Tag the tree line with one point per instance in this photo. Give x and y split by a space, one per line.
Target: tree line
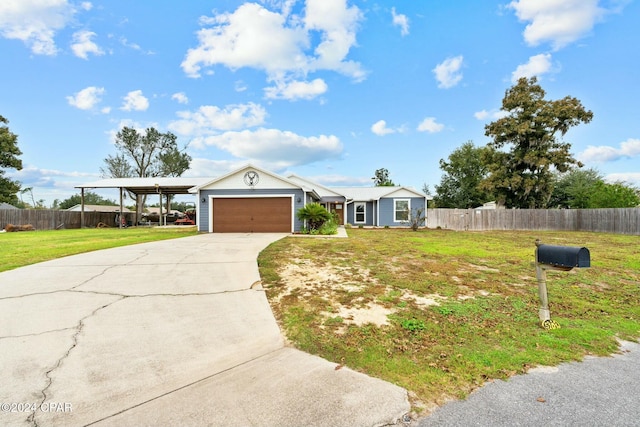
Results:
527 164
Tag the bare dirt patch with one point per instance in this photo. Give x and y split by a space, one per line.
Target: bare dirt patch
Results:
347 292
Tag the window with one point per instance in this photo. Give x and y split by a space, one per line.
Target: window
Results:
401 210
361 209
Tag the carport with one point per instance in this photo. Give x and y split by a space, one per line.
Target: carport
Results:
142 186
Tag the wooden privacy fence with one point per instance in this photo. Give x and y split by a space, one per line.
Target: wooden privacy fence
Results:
50 219
619 221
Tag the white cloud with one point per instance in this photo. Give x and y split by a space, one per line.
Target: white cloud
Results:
401 21
296 90
134 46
240 86
251 36
181 97
493 114
481 115
632 178
199 167
83 45
255 37
87 98
448 72
338 25
86 5
536 66
429 124
604 153
209 119
135 101
35 22
340 180
380 128
559 22
275 147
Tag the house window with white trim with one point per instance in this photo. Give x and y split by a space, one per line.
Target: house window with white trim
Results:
401 209
360 212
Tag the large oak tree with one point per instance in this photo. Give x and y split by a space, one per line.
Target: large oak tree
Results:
145 154
527 146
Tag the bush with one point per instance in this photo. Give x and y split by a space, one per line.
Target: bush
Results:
416 219
328 228
315 215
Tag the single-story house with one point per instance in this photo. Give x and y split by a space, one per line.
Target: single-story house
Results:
251 199
4 205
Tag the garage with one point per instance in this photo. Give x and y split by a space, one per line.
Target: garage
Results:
251 214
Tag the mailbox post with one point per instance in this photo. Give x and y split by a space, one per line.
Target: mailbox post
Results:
560 258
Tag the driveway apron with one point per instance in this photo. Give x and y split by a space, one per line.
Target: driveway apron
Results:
177 332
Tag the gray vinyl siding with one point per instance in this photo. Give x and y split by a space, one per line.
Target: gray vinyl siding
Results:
387 210
205 214
369 214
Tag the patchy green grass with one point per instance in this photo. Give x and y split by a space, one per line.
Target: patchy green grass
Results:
29 247
482 319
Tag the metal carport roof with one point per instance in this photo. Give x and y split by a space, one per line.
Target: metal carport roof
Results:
141 186
171 185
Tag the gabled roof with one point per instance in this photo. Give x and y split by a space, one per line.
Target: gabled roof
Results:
210 182
319 188
364 194
4 205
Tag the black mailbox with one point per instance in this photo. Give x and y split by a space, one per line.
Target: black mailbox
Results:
564 256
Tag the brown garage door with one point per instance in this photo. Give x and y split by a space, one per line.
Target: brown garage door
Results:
252 215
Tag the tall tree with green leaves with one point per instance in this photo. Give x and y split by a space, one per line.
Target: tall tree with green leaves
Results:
463 172
9 153
587 189
381 178
527 145
573 189
145 154
614 195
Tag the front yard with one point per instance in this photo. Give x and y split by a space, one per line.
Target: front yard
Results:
441 312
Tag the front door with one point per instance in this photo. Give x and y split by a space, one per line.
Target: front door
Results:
338 209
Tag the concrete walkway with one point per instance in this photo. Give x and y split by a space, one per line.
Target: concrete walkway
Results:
177 332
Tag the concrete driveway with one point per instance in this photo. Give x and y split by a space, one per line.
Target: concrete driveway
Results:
177 332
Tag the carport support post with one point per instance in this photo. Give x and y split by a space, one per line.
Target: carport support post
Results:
541 275
121 208
82 207
160 204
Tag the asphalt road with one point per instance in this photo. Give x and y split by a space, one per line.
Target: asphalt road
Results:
600 391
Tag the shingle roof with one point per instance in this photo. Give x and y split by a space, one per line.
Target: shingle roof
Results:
373 193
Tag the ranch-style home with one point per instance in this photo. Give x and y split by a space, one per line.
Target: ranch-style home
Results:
251 199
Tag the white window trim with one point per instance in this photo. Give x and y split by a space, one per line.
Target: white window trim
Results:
355 212
395 211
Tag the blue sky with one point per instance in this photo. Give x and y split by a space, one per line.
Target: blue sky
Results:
328 89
